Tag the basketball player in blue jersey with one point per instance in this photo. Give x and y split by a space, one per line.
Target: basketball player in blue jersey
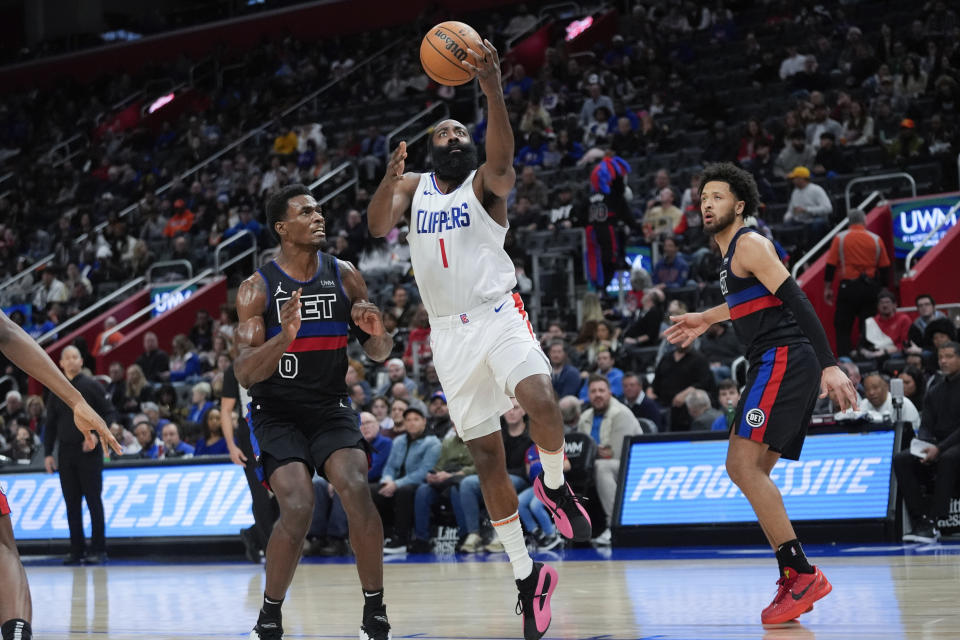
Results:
296 315
790 361
484 348
16 608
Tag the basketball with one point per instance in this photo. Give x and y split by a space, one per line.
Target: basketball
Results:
444 47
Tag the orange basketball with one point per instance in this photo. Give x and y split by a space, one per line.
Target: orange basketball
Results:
444 47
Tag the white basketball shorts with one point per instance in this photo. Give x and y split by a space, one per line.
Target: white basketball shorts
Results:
475 354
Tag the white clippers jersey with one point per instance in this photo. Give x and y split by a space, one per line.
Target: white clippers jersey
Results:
456 249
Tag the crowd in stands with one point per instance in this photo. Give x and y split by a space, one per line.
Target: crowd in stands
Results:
611 142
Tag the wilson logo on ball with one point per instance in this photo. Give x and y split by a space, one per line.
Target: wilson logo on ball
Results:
451 45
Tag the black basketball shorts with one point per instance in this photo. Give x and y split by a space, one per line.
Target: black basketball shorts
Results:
778 399
305 433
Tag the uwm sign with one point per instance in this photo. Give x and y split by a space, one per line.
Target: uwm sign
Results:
913 220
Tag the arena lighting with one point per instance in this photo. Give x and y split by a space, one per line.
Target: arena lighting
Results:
577 27
159 102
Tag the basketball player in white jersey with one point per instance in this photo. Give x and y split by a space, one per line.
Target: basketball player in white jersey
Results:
483 345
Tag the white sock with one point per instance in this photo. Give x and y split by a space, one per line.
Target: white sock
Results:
552 462
511 535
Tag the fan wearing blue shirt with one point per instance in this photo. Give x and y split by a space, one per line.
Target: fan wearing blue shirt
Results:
213 442
606 369
565 376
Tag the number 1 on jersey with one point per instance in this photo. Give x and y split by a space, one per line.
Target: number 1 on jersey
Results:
443 254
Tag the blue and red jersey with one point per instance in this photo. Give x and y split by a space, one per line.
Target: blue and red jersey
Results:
759 317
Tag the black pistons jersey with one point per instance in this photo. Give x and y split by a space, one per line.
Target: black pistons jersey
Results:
759 317
313 368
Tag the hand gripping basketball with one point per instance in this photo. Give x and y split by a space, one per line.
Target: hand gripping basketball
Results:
487 70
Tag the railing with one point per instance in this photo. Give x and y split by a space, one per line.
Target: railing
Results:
267 255
923 243
523 34
393 46
878 178
6 176
169 263
122 103
227 69
813 252
153 305
200 70
160 85
547 10
940 307
216 156
122 291
189 172
406 123
249 251
50 156
331 174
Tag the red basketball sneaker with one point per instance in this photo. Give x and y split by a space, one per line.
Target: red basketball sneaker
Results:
796 593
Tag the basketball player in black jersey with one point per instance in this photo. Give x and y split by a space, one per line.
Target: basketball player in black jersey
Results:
790 361
16 608
296 315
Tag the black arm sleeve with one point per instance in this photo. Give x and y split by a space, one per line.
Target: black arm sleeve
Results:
828 274
358 333
796 300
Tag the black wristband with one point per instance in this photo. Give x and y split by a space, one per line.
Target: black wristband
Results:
796 300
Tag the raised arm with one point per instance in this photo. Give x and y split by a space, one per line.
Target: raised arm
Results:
365 315
27 355
391 201
497 173
258 358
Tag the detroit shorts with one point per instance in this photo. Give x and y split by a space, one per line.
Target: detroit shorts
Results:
307 433
778 399
4 504
479 354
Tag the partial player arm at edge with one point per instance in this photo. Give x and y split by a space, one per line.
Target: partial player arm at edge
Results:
27 355
365 315
257 359
391 201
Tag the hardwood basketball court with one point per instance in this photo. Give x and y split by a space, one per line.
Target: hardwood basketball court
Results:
896 591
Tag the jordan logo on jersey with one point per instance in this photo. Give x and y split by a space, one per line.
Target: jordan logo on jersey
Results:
314 307
279 290
436 221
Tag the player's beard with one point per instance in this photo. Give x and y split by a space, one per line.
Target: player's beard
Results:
454 167
720 222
